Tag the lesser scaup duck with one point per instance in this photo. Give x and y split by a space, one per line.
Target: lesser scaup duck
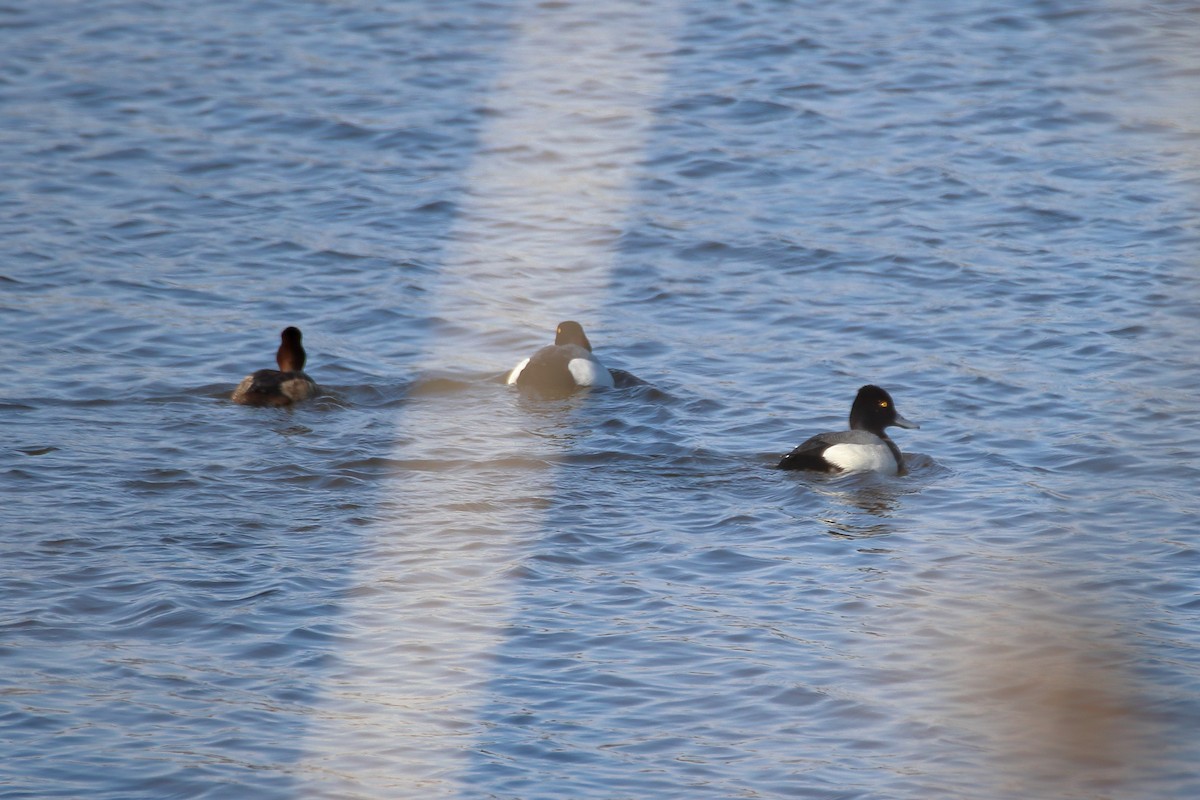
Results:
563 367
283 386
863 448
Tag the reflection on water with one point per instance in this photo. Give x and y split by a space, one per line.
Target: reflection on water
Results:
1053 693
545 194
859 505
854 531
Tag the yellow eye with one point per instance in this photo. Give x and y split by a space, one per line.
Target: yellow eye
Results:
883 403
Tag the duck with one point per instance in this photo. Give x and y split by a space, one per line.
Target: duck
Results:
279 387
562 368
863 448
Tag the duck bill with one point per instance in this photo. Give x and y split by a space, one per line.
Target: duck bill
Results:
901 422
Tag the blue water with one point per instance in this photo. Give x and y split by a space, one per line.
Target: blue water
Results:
422 585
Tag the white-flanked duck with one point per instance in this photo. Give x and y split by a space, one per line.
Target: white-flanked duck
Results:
863 448
562 368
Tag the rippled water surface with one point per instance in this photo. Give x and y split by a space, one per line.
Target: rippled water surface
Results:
423 585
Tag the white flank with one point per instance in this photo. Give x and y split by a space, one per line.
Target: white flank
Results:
589 372
516 372
862 458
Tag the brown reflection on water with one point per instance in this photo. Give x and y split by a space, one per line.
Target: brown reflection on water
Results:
1054 697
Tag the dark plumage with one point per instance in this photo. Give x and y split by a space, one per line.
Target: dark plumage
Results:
281 387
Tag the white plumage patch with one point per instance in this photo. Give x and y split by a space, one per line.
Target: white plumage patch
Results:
516 372
861 457
589 372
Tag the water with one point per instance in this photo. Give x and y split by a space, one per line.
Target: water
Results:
421 585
